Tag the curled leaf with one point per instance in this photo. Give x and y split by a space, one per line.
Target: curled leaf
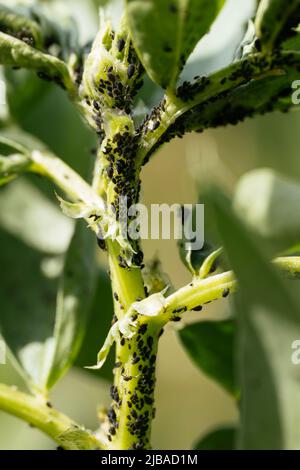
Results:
21 26
16 53
104 351
208 265
77 210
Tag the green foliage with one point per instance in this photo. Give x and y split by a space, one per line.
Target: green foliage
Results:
99 323
220 439
165 33
211 346
74 296
268 315
267 203
275 20
43 342
16 53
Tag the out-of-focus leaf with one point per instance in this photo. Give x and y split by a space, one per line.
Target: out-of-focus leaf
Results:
165 33
98 326
54 122
274 20
267 202
11 166
268 318
220 439
16 53
211 347
293 42
27 299
28 215
24 91
44 331
20 25
75 293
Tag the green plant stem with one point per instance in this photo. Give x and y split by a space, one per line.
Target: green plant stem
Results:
290 265
127 283
133 391
198 293
202 291
223 81
35 411
64 177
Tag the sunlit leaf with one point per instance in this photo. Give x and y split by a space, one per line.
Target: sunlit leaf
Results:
165 33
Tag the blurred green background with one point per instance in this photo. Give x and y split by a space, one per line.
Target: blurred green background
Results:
188 403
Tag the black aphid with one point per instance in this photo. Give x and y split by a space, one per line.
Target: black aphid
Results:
121 44
130 71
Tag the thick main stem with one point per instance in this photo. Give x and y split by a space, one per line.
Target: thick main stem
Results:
132 409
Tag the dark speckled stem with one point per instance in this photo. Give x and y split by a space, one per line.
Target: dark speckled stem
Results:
132 409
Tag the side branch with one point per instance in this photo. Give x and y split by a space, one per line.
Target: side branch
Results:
203 291
190 96
50 421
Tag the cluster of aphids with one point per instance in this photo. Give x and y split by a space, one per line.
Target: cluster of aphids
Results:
137 403
118 91
22 34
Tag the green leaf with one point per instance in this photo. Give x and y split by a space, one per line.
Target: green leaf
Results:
101 315
54 104
267 202
268 320
28 215
73 302
293 41
165 33
220 439
27 299
16 53
43 332
275 19
21 26
211 347
25 91
194 259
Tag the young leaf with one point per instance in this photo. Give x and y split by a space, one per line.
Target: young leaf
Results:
75 293
220 439
165 33
275 20
211 347
268 320
194 259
